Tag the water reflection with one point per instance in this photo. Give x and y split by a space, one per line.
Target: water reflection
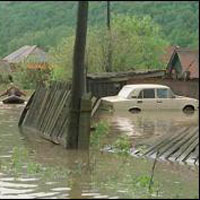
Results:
90 174
150 125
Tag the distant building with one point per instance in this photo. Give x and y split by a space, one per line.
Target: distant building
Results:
33 56
183 64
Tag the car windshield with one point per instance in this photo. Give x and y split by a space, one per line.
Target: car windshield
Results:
125 91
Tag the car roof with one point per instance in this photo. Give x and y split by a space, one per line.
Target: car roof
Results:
146 86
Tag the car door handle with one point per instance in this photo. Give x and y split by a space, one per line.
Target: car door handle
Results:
159 101
140 101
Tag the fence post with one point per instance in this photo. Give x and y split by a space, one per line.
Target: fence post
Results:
84 122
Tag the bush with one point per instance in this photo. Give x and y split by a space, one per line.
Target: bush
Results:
29 78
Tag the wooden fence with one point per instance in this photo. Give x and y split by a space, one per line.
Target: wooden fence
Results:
181 146
47 112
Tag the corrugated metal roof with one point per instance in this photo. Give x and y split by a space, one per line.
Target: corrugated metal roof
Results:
31 53
168 53
190 61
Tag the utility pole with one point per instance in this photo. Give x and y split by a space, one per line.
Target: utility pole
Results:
108 15
78 82
109 54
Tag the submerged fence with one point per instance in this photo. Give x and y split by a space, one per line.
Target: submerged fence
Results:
181 146
47 111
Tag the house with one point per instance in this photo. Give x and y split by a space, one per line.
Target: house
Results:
183 64
33 56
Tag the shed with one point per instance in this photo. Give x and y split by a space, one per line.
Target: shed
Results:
183 64
34 56
110 83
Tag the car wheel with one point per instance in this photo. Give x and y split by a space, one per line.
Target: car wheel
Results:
188 109
134 110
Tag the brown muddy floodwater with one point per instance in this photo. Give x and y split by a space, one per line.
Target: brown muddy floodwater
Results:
53 172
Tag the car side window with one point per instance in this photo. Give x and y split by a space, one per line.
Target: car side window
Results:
148 93
162 93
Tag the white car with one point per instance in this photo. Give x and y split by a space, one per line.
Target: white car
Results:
138 97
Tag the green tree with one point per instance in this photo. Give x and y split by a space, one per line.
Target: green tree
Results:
136 43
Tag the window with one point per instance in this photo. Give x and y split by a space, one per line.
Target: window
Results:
125 91
147 93
162 93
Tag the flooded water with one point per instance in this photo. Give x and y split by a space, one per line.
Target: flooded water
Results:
49 171
147 127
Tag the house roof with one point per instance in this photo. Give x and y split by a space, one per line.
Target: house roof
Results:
168 53
189 60
30 53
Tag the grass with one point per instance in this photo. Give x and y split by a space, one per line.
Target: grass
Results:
122 145
97 139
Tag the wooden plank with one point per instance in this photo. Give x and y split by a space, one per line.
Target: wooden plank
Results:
96 107
37 108
165 140
176 143
180 146
53 131
52 111
30 115
162 140
181 151
64 113
57 110
94 100
197 162
187 152
26 121
193 156
25 110
42 108
62 131
63 117
48 106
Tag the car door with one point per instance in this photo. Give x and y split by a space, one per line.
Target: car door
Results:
165 100
146 99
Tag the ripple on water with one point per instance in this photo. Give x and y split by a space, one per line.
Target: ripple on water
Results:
61 189
6 156
16 185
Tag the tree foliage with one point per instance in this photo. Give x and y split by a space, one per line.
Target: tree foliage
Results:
136 44
46 23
